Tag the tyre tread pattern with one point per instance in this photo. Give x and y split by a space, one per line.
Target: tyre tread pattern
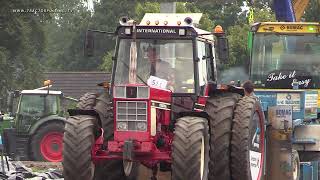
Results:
78 140
186 147
220 109
87 101
240 163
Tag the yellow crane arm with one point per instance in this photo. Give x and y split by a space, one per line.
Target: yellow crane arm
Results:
299 6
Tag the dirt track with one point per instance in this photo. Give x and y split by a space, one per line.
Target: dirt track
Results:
144 173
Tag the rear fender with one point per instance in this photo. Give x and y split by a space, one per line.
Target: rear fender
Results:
44 120
194 113
223 88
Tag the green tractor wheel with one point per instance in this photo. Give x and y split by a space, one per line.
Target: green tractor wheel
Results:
46 143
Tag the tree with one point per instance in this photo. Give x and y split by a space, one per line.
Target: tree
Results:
312 13
238 36
23 41
66 38
224 14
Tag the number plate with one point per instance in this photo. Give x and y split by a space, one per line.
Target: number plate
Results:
154 81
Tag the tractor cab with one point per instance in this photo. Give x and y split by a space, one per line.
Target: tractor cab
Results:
34 105
285 55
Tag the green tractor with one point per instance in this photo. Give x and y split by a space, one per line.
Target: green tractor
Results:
37 125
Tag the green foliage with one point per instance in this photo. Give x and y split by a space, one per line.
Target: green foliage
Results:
107 62
238 37
312 13
264 15
66 38
22 45
224 14
238 44
147 7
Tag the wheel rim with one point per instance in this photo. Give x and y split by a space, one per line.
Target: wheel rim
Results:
127 167
51 146
256 153
92 167
295 169
202 158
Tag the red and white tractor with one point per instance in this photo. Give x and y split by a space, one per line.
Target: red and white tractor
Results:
165 109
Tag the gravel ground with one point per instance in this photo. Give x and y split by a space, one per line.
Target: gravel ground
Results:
144 173
42 166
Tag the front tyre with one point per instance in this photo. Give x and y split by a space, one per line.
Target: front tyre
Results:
247 142
78 140
190 149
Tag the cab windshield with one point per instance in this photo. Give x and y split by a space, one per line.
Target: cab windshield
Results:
166 64
38 105
285 61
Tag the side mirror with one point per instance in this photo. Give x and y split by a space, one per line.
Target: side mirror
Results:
222 49
16 94
89 44
10 102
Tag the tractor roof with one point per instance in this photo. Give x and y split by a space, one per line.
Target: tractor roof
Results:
166 25
41 92
171 19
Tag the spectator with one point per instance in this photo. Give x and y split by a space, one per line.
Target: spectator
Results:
248 88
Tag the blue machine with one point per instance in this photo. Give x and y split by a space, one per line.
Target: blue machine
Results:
304 102
284 10
304 112
309 170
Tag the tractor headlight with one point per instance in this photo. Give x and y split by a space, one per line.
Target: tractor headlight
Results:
182 32
120 91
127 31
143 92
142 126
122 126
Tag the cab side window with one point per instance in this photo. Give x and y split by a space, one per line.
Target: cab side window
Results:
205 65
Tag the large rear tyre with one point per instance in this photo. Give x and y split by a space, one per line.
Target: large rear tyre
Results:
247 142
190 149
46 143
87 101
78 140
220 109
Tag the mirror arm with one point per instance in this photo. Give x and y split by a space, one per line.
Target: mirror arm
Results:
103 32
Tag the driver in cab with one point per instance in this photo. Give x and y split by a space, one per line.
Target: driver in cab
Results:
160 68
